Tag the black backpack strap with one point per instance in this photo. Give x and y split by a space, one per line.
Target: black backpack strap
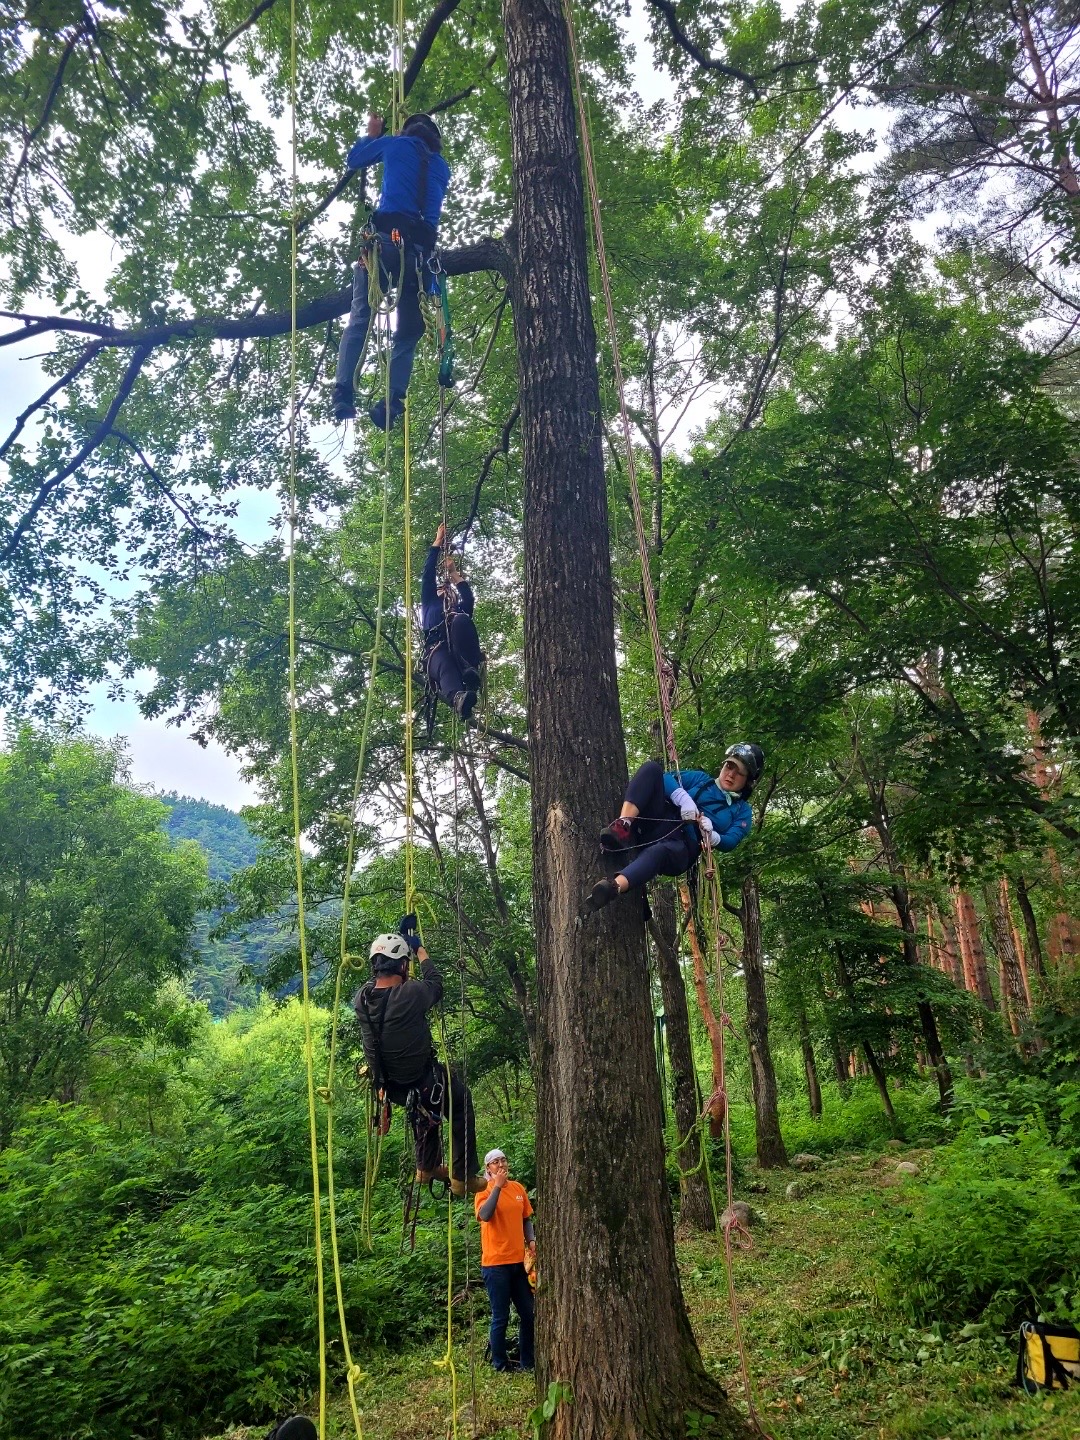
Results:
377 1033
422 179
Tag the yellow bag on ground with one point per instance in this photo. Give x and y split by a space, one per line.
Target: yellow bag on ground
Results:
1049 1357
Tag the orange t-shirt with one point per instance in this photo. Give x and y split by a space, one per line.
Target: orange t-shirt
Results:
502 1238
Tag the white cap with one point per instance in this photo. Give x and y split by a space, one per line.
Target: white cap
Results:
492 1156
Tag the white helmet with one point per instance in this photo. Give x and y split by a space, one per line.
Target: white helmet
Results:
390 948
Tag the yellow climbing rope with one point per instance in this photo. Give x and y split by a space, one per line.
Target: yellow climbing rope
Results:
294 748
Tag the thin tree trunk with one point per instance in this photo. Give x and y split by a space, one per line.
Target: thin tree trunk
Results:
696 1207
813 1087
610 1317
771 1153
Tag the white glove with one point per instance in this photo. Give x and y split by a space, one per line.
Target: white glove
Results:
712 835
687 809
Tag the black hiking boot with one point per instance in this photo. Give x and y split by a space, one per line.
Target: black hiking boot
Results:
343 404
602 894
377 413
464 701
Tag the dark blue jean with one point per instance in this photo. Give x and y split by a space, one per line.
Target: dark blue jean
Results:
506 1283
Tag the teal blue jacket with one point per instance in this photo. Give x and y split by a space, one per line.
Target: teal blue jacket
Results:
730 814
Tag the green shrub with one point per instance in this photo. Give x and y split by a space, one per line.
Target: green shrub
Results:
167 1287
993 1233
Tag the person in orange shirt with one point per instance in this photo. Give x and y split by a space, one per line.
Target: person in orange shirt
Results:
506 1231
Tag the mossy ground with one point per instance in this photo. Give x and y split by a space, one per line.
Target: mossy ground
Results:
828 1362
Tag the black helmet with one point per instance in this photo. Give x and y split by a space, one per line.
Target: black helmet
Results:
751 757
428 131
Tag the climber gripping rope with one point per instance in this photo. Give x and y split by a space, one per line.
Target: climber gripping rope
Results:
392 1011
666 819
405 231
452 654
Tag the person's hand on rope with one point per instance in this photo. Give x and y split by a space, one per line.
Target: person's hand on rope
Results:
688 811
409 930
440 536
453 574
376 126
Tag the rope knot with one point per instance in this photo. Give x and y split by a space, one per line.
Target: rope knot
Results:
355 1374
325 1094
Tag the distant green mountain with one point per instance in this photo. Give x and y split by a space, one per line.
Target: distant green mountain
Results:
221 832
229 845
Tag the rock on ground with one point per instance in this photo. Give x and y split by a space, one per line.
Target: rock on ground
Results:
797 1189
742 1214
806 1162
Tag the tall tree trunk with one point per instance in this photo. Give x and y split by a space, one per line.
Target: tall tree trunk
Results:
1018 943
696 1207
771 1153
841 1063
902 903
1011 979
976 974
869 1053
1031 928
952 963
611 1319
813 1087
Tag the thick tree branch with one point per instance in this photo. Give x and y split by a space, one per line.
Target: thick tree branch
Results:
426 39
488 254
707 62
102 432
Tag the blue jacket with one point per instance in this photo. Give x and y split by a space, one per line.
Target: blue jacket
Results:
731 816
432 612
402 158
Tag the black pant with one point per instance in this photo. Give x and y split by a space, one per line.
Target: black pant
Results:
439 1094
669 846
446 661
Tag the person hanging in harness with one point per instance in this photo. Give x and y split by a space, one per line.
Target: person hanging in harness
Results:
414 183
392 1011
452 654
666 818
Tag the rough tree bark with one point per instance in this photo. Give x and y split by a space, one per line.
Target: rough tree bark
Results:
696 1207
771 1153
611 1319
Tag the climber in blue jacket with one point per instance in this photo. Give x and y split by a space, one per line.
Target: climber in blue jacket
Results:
414 183
666 818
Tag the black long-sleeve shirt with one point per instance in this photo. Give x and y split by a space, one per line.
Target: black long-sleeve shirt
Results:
431 602
395 1031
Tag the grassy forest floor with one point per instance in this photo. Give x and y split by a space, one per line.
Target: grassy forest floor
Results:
829 1361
